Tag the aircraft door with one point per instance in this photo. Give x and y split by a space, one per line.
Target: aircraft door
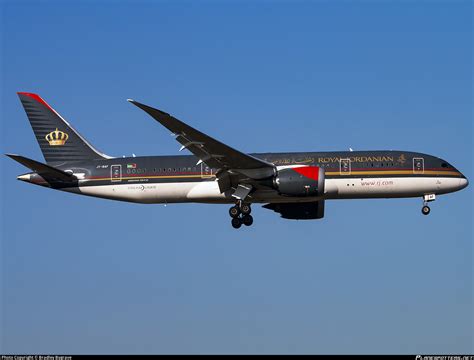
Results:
418 165
206 171
115 173
345 166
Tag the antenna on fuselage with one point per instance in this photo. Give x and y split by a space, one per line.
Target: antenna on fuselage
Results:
350 149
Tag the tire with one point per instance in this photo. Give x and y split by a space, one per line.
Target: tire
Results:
425 210
247 220
234 211
236 223
245 209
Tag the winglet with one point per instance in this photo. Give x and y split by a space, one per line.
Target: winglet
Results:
150 110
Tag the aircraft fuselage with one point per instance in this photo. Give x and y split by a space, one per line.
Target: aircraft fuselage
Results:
178 179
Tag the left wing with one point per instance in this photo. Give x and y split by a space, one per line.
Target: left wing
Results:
210 151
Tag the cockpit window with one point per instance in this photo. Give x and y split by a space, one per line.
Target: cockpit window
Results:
444 165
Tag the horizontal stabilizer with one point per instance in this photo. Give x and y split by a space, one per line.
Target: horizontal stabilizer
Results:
45 171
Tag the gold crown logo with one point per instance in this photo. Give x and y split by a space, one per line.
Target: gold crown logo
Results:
56 137
401 159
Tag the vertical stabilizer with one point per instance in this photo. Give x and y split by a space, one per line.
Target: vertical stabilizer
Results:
58 140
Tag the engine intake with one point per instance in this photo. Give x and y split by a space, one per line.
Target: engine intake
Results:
300 181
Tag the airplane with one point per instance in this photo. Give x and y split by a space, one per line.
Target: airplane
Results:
294 185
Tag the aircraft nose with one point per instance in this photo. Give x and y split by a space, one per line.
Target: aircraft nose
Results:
463 182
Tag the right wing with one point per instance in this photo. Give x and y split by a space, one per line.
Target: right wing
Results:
210 151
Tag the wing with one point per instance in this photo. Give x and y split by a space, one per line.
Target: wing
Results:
210 151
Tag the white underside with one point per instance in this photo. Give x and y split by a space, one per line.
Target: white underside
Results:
208 191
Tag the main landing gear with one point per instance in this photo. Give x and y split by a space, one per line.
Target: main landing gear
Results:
425 210
240 214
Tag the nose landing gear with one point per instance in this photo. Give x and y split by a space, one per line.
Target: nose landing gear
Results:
425 210
240 214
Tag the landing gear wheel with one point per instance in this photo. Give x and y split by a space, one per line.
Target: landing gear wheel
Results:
247 220
425 210
236 223
234 211
245 209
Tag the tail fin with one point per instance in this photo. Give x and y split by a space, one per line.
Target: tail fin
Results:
58 140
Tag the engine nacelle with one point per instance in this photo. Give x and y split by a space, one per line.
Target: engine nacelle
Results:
300 181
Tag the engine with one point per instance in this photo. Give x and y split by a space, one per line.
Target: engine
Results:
300 181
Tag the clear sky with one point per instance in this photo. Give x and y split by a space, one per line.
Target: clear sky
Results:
85 275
